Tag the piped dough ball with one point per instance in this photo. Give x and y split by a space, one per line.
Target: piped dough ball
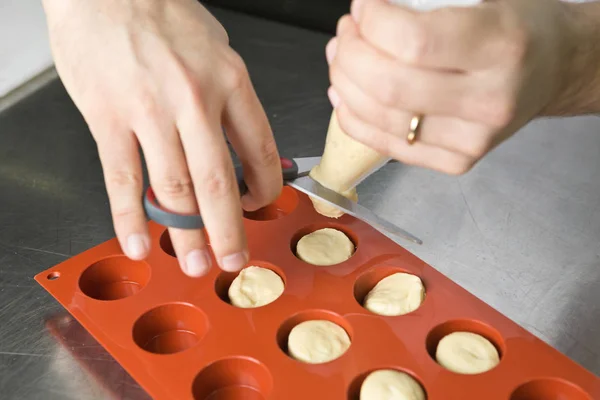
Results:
396 294
324 247
466 353
388 384
255 287
317 341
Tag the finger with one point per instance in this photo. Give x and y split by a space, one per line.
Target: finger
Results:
456 135
120 158
423 91
461 38
215 184
250 135
171 182
387 119
419 154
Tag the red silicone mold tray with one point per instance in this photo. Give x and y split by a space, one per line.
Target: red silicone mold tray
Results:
181 339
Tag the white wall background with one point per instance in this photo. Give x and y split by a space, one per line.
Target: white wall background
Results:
24 48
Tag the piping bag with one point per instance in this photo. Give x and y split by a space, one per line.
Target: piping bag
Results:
347 162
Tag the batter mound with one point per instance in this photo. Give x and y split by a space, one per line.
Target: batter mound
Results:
389 384
317 341
466 353
324 247
255 287
396 294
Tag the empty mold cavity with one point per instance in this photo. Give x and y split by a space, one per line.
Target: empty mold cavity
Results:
233 378
310 315
224 280
549 389
114 278
315 227
367 281
356 384
464 325
165 243
170 328
284 205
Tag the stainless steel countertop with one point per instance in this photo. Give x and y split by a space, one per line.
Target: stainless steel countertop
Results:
521 231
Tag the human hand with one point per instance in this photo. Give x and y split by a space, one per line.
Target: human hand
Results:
161 75
477 74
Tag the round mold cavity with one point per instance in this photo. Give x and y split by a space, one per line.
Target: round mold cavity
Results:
114 278
356 384
225 279
367 281
170 328
165 243
464 325
284 205
284 330
233 378
549 389
52 276
315 227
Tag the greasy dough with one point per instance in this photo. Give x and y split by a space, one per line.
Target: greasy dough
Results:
389 384
317 341
344 164
397 294
324 247
255 287
466 353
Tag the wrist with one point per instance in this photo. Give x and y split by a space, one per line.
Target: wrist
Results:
579 81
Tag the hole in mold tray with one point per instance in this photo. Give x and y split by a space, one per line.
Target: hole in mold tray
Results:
233 378
165 243
284 205
356 384
464 325
52 276
170 328
315 227
367 280
224 280
549 389
114 278
310 315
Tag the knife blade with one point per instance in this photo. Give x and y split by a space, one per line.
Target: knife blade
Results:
314 189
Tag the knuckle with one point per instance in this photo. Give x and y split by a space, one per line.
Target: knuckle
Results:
269 155
501 112
123 178
146 104
175 187
418 42
218 183
459 167
127 213
388 93
236 73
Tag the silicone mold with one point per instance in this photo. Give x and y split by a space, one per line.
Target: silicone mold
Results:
179 338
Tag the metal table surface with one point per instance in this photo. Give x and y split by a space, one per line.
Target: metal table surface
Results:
521 231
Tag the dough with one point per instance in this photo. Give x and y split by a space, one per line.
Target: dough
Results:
317 341
389 384
325 246
396 294
344 164
255 287
466 353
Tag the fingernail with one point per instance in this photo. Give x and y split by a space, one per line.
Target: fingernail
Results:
234 262
334 98
330 50
137 246
197 263
355 9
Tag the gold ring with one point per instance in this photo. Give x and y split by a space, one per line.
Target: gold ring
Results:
415 123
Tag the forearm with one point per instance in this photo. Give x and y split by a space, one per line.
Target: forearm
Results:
580 89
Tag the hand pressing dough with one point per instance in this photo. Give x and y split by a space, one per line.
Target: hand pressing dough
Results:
324 247
255 287
466 353
388 384
344 164
396 294
317 341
